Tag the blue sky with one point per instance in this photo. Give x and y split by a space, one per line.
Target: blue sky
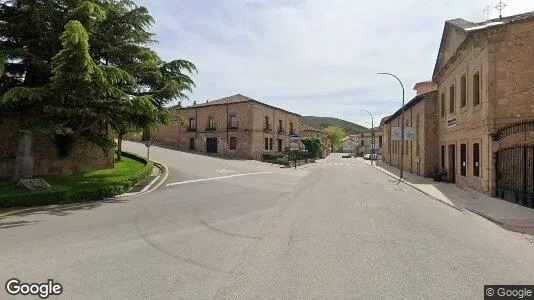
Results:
316 57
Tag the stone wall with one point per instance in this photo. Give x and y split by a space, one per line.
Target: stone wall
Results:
250 133
85 155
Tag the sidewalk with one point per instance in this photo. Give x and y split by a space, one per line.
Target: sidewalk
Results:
509 215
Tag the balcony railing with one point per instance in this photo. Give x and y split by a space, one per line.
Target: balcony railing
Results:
212 126
267 127
233 125
191 128
281 129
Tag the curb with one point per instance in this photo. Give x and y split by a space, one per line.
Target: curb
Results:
161 167
415 187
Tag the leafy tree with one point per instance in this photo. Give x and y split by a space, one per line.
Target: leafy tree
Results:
335 134
76 69
313 146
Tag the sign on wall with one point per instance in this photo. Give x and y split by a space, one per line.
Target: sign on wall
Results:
451 122
409 133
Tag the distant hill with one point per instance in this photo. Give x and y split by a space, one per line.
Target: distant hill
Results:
323 122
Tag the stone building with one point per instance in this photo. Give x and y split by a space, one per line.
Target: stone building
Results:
420 154
306 131
485 78
235 126
365 141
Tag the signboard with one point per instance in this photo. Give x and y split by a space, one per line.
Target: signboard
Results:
409 133
451 122
294 141
396 133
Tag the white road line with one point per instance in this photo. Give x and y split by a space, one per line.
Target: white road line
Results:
216 178
225 171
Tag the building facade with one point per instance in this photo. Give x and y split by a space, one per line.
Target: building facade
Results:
365 141
420 154
235 126
485 78
306 131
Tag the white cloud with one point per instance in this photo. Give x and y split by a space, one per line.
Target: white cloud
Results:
313 57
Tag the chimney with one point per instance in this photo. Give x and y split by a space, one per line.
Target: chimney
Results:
425 87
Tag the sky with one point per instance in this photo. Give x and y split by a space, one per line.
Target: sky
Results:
312 57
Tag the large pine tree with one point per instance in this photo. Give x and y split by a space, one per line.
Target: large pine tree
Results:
75 69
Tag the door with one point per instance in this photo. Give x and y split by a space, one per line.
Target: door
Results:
452 163
192 143
211 145
279 145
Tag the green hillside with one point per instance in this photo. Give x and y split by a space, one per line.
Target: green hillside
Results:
323 122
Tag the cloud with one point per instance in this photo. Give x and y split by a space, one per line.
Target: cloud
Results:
315 57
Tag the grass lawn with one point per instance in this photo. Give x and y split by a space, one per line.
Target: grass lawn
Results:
125 171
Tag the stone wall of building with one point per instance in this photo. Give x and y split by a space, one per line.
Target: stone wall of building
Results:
250 133
85 155
502 58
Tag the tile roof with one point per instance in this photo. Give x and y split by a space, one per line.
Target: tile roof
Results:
237 98
303 127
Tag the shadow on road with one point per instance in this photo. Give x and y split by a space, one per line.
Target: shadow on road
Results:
59 210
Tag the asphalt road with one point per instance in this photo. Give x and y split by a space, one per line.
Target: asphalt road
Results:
337 229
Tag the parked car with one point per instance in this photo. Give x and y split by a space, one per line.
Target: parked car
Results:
372 156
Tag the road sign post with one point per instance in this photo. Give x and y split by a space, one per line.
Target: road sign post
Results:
294 141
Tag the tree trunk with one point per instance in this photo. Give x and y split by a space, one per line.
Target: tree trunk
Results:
119 146
24 160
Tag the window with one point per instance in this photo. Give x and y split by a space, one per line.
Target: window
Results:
476 159
266 143
280 128
442 105
463 91
362 143
266 123
451 99
192 124
463 159
379 141
233 143
270 144
233 121
291 127
476 89
443 156
211 123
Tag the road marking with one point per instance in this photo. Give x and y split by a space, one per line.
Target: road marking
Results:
216 178
225 171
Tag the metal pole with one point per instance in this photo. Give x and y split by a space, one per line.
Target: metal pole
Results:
402 124
372 135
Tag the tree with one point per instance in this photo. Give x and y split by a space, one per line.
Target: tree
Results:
335 134
313 146
76 69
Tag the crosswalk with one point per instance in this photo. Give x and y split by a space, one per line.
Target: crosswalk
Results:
342 164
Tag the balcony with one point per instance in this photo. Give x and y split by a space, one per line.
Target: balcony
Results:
281 130
233 125
211 127
268 127
191 128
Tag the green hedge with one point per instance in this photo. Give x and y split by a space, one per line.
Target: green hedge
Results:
64 196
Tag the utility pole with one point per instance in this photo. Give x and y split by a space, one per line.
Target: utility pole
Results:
500 6
402 124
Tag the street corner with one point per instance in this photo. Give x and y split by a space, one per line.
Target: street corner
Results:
159 175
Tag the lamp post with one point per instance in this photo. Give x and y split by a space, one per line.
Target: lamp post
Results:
372 135
402 124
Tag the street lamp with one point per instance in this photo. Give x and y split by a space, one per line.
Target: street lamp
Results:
402 123
372 135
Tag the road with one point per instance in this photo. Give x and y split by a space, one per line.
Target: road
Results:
337 229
